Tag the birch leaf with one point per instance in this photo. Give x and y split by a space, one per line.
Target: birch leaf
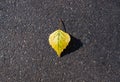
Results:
59 40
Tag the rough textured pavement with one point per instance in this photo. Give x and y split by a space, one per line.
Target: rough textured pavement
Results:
25 54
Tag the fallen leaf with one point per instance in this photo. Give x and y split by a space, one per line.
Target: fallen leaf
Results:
59 40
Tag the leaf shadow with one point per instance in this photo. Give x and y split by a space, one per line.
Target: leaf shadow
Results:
74 45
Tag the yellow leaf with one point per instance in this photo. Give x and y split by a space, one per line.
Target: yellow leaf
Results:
59 41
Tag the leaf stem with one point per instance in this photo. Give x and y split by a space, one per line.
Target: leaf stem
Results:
60 23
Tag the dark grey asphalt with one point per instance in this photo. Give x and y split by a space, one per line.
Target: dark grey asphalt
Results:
25 54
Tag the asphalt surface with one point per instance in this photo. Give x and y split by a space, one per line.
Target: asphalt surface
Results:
92 56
